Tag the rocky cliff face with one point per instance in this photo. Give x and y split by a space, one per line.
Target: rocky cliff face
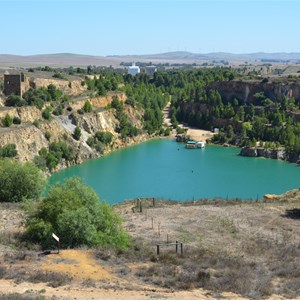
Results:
97 102
246 89
26 113
269 153
73 87
29 139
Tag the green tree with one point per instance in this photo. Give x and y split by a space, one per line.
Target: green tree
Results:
77 133
104 137
7 120
87 107
55 93
19 181
73 211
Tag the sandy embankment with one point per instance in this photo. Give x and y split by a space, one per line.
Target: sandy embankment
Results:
194 133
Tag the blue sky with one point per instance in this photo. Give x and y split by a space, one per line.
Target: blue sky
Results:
143 27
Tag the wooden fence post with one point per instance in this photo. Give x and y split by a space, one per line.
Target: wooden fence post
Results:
158 229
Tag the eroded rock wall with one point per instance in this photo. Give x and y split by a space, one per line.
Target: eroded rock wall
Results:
244 90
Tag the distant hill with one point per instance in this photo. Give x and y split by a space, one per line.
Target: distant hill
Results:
70 59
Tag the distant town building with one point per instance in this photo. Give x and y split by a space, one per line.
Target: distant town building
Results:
14 84
133 70
150 70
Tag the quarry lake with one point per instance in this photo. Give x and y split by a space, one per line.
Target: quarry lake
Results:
163 168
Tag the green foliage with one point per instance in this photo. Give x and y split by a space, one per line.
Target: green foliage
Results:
47 135
55 93
104 137
19 181
46 113
49 159
13 100
9 150
58 75
37 97
100 140
77 133
73 211
87 107
58 110
17 120
36 123
7 121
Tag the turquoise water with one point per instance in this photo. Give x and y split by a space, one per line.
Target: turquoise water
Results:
164 168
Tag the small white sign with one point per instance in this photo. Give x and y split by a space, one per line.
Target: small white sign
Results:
55 237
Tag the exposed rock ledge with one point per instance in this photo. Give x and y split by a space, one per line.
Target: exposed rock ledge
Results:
269 153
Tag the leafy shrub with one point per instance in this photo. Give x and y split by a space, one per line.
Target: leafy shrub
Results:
14 100
55 93
91 141
47 135
19 181
46 114
7 120
104 137
57 152
16 120
72 210
58 110
58 75
36 123
77 133
87 107
8 150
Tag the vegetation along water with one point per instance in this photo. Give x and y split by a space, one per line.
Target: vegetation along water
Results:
164 168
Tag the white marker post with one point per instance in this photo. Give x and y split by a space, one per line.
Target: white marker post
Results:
57 239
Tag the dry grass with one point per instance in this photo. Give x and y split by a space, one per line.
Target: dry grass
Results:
251 249
247 248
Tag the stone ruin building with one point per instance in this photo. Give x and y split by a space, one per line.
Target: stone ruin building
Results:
14 84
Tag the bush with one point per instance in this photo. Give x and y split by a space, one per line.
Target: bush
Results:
73 211
87 107
8 150
104 137
77 133
47 135
57 152
16 120
14 100
46 114
7 120
19 181
58 75
36 123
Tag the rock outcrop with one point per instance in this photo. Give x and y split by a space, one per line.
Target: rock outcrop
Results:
269 153
29 139
73 87
244 90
